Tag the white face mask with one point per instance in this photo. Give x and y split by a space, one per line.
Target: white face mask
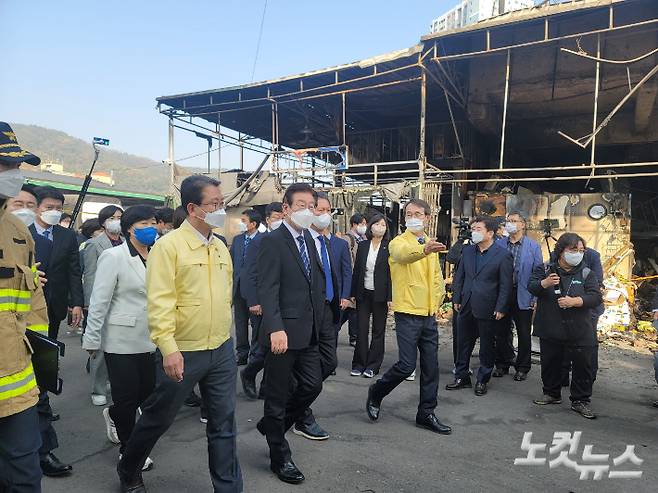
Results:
51 217
361 229
215 219
27 216
303 218
573 258
11 182
275 224
511 228
414 225
477 236
322 221
378 230
113 226
242 227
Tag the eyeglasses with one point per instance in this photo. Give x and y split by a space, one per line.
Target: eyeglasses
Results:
213 205
417 215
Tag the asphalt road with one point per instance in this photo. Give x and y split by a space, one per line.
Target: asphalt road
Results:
391 455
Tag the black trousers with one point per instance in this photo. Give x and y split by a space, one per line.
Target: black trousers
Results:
257 353
19 453
566 364
132 378
414 333
48 435
283 408
352 319
215 372
470 328
553 354
241 318
370 356
504 341
328 357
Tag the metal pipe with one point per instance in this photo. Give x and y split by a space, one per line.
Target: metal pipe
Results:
454 125
502 135
552 168
596 100
170 159
343 118
604 60
549 178
219 148
421 151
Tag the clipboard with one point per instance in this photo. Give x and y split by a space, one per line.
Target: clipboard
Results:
45 360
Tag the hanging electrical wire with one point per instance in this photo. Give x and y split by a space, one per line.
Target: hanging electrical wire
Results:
260 36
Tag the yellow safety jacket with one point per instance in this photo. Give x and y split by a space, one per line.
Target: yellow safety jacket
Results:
22 306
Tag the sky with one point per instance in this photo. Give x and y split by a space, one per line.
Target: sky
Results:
95 68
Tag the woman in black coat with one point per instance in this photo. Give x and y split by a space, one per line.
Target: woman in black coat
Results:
371 287
566 292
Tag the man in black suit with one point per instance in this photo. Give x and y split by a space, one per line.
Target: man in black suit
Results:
61 262
482 290
249 222
249 286
57 250
292 296
306 425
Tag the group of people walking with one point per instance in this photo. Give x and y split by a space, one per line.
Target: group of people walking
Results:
161 295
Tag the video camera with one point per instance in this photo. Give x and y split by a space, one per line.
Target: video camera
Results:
548 225
463 227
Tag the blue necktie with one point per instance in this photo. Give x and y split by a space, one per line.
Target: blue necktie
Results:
304 255
247 239
46 234
328 282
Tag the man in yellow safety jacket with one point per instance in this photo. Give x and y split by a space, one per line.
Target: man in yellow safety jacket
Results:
22 306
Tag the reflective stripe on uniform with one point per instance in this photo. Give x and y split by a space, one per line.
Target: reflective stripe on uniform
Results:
40 328
14 300
18 383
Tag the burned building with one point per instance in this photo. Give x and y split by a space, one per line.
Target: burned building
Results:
552 105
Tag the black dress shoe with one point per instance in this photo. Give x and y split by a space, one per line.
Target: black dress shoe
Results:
480 388
241 360
311 431
249 386
288 472
431 423
460 383
55 417
372 405
192 400
520 376
51 466
135 485
500 372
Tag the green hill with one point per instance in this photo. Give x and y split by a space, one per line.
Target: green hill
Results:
131 172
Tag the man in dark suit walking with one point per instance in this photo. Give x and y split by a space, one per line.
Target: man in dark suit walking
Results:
249 223
482 290
61 262
306 425
256 360
292 296
57 250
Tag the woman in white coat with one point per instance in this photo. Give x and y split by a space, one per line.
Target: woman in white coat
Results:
117 323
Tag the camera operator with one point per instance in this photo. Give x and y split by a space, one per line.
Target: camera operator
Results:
566 292
453 257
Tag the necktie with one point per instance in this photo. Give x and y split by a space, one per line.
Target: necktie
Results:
46 234
304 255
328 282
247 240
